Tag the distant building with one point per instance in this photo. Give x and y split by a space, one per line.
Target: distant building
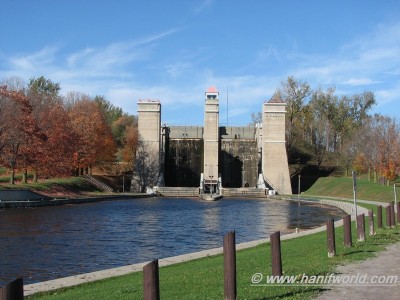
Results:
214 157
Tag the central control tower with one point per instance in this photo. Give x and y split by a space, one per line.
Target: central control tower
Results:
209 184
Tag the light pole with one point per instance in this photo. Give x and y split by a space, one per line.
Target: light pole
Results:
123 184
298 190
355 193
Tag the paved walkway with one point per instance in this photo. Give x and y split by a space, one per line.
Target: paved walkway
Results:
386 263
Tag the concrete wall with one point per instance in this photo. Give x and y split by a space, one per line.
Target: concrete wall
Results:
185 132
238 158
184 162
239 163
20 195
240 132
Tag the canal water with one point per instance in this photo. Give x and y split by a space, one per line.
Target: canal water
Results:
52 242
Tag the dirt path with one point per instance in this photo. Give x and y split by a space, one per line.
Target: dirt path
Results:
385 264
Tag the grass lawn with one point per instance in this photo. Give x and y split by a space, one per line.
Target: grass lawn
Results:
76 184
343 187
203 278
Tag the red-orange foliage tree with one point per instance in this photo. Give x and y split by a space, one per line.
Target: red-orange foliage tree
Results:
56 156
130 144
21 131
95 144
388 139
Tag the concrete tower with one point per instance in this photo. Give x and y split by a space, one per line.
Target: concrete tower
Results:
209 182
149 128
275 166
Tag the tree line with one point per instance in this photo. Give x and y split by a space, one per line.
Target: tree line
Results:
341 127
49 135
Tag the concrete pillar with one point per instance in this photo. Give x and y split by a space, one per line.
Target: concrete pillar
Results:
211 138
149 128
149 122
275 166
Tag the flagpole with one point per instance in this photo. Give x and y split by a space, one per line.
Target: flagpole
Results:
227 106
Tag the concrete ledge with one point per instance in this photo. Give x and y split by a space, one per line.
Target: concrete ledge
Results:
20 195
104 274
53 202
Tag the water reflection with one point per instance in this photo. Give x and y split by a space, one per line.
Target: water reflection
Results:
52 242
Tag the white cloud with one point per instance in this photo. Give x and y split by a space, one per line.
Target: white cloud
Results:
370 61
359 81
32 62
177 69
203 5
385 96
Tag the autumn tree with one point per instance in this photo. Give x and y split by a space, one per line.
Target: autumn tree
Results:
95 144
388 139
7 85
22 129
51 157
130 144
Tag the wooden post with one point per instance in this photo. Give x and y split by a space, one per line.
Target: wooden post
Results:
379 212
388 217
360 228
151 286
371 222
330 234
398 212
275 240
392 215
13 291
230 291
347 231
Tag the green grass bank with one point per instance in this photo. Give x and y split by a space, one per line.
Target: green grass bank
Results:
343 188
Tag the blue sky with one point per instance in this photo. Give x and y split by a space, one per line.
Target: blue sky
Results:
174 50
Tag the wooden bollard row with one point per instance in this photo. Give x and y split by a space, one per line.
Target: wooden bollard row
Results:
347 240
360 221
151 287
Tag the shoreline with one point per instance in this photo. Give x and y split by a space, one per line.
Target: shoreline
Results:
67 201
118 271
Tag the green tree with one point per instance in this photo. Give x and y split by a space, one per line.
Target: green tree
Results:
44 86
294 92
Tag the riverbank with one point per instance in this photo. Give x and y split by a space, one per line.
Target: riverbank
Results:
307 254
70 201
